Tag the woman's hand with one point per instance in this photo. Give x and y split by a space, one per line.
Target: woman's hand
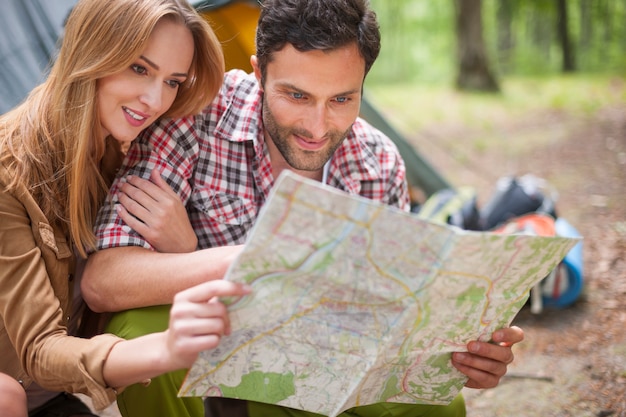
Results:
154 210
198 320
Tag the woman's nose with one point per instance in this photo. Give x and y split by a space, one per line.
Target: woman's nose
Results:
153 96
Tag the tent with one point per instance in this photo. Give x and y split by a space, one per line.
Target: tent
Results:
29 30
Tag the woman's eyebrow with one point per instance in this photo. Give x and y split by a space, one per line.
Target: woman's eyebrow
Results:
156 67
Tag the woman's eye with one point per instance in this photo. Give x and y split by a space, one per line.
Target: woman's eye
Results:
174 83
139 69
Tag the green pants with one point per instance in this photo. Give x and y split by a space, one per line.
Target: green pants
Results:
160 398
455 409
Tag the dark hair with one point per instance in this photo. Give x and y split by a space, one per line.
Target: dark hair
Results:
316 25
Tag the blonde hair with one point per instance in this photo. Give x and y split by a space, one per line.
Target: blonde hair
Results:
51 143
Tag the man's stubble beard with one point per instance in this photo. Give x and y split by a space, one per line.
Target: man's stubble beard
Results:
297 158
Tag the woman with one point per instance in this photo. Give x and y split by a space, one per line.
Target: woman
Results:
121 66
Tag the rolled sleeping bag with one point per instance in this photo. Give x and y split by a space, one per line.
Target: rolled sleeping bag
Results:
569 280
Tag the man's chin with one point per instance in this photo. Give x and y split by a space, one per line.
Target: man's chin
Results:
306 168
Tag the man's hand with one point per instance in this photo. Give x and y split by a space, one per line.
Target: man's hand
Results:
485 363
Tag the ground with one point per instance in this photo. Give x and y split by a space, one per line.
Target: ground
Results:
572 361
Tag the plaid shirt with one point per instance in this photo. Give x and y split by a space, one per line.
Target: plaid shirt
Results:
218 162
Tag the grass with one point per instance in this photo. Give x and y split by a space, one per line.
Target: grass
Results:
412 107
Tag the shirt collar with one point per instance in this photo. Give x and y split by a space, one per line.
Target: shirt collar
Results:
354 162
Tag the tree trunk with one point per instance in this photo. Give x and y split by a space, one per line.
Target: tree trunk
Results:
541 30
564 38
506 42
586 24
473 70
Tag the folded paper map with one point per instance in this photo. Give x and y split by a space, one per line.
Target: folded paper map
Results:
355 302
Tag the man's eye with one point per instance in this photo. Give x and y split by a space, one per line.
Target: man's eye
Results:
139 69
341 99
297 96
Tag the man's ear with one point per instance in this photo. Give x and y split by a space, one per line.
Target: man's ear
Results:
255 67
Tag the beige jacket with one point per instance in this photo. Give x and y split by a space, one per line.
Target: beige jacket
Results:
36 281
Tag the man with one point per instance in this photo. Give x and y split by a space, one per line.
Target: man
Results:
298 110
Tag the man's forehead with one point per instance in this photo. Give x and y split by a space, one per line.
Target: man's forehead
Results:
341 70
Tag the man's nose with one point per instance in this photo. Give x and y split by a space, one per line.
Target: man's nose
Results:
318 121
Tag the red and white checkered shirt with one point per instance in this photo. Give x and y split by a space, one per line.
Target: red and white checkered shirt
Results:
218 162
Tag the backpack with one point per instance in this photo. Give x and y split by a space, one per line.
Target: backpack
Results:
456 207
515 196
564 283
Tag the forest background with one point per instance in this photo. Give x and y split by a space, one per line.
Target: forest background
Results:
521 37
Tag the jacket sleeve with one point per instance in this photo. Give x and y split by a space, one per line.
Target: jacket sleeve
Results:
34 279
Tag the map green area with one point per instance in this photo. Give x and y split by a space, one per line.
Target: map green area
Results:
355 302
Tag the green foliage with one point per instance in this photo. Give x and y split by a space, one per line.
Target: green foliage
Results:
419 38
417 41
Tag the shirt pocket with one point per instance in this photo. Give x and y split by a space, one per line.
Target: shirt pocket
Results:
57 244
59 260
224 208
